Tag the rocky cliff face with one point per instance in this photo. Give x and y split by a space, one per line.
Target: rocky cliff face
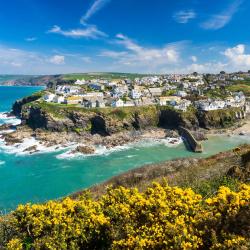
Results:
18 105
218 118
170 118
110 121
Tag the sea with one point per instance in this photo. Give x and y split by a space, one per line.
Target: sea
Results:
40 177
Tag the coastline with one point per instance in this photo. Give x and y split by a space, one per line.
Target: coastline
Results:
20 139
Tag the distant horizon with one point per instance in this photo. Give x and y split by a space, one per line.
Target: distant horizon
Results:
126 73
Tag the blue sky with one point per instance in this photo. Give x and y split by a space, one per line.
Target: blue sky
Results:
160 36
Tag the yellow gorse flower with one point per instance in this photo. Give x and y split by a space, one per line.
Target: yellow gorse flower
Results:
162 217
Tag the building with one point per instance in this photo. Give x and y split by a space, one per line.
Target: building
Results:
59 99
75 99
95 95
183 105
135 94
97 86
49 97
181 93
117 103
172 100
69 90
80 82
155 91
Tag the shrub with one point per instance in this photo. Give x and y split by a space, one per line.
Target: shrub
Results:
162 217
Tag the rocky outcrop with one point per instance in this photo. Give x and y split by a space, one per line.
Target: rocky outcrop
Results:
241 172
18 105
219 118
172 119
84 150
172 133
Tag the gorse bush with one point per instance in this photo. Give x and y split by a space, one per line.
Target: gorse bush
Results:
162 217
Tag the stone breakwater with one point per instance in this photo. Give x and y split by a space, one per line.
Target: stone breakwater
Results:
192 143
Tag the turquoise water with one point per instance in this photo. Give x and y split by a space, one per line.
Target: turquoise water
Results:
37 178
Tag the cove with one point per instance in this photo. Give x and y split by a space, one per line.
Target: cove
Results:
41 177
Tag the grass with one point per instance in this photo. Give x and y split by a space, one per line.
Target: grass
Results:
203 175
241 86
103 75
207 188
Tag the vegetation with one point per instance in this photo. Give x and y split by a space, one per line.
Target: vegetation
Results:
102 75
243 86
162 217
216 94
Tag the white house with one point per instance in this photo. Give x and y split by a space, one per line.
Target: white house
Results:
59 99
183 105
80 82
135 94
117 103
155 91
181 93
120 91
96 95
64 89
49 97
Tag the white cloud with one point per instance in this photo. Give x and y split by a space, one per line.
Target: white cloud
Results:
96 6
113 54
86 59
31 39
207 67
220 20
150 56
193 58
90 31
184 16
133 57
57 59
237 56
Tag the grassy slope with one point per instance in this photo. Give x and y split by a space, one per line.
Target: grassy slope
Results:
202 175
109 76
243 86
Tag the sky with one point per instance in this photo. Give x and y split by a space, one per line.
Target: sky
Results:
143 36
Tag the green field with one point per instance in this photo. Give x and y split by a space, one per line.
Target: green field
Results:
102 75
243 86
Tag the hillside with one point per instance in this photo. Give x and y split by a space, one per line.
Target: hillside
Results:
102 75
106 121
158 216
23 80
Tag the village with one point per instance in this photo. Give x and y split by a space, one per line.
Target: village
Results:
204 92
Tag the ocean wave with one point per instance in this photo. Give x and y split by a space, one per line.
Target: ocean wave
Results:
104 151
6 119
2 163
23 148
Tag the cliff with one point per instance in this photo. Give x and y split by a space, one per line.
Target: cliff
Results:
107 121
18 105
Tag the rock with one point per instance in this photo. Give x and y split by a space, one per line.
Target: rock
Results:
199 136
242 133
31 149
11 140
246 158
172 133
5 127
84 150
243 172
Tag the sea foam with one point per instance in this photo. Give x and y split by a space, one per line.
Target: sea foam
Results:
6 119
